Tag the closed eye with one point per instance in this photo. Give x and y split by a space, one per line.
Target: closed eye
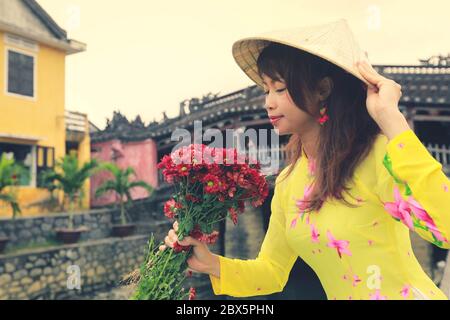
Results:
279 91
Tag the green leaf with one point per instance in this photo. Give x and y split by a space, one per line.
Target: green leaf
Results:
388 165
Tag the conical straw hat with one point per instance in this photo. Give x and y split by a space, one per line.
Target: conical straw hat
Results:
333 42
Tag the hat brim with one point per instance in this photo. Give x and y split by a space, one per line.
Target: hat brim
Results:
246 52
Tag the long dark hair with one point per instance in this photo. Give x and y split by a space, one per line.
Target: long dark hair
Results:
348 135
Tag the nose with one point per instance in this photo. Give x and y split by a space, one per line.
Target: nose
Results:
270 103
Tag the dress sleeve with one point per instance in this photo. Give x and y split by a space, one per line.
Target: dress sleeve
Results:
266 274
413 189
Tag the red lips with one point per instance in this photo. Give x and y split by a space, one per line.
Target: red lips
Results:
275 117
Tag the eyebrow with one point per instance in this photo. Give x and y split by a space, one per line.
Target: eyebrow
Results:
272 81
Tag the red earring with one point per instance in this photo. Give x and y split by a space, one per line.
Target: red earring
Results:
323 116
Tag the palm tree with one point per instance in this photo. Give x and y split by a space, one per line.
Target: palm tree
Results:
47 182
69 177
10 173
121 185
9 176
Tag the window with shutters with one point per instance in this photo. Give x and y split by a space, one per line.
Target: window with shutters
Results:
45 161
21 77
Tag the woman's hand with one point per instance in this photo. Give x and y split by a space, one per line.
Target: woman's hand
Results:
202 260
383 95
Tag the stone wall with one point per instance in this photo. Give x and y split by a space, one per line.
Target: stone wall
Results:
25 230
41 229
44 274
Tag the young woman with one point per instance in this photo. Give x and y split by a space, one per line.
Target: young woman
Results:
359 178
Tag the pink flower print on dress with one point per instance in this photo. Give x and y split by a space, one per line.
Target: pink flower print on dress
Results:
314 234
301 205
400 209
307 219
445 187
356 280
405 292
377 295
359 200
340 245
422 215
294 222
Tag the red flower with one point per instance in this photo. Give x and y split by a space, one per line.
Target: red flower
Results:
183 170
211 183
178 247
190 197
192 293
234 215
171 207
196 233
211 238
231 191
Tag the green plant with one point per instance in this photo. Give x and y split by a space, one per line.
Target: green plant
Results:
10 173
121 185
69 177
47 182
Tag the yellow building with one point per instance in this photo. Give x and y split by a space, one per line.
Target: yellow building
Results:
34 124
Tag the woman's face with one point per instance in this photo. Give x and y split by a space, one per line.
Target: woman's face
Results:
282 111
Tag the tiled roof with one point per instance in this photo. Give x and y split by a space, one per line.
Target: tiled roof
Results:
26 19
46 19
421 86
424 85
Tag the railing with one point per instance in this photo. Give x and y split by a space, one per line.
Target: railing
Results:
272 159
441 154
75 121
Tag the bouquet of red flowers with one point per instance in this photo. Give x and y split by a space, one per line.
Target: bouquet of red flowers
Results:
211 184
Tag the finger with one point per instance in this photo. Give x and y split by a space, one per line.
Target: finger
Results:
186 241
172 235
168 242
371 76
162 247
175 225
369 65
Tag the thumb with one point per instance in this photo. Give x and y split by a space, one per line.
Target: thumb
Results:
371 89
188 241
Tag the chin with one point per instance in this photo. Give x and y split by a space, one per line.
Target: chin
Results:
282 131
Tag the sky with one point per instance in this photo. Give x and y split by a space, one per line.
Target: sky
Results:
144 57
